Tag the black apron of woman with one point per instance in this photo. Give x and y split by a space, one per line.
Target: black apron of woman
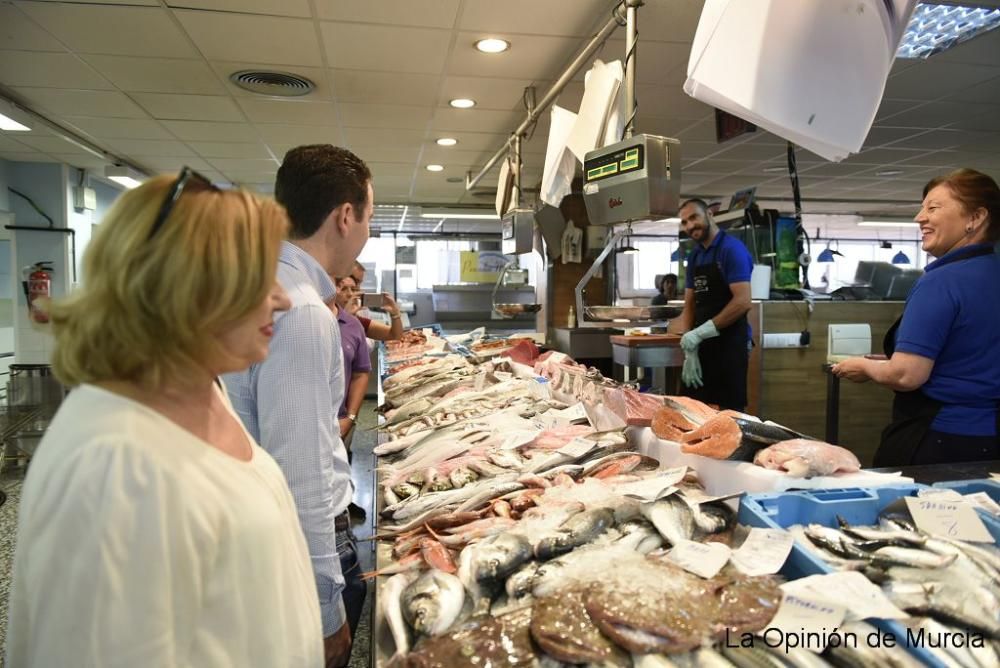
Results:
913 412
724 358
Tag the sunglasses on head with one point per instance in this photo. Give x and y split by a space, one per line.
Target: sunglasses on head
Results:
187 179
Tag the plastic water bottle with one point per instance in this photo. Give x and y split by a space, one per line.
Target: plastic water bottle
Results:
571 317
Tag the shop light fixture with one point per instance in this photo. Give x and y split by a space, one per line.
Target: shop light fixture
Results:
492 45
934 28
8 124
462 103
889 172
467 214
123 175
888 223
900 258
435 168
447 141
774 169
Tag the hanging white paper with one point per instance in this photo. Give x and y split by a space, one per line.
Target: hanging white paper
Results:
557 173
588 130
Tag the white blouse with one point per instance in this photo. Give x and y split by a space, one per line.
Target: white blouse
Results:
141 545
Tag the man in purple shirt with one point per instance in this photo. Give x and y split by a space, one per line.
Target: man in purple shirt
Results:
357 365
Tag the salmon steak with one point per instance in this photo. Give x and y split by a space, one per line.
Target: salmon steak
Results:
718 438
670 424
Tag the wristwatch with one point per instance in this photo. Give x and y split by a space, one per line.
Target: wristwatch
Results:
352 417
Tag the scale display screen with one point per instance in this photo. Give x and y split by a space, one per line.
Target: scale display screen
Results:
628 159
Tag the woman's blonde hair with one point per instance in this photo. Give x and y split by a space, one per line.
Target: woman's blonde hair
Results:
150 308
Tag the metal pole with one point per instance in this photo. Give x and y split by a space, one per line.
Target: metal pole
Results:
567 76
631 35
516 167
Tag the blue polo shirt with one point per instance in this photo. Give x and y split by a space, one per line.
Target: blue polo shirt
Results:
729 254
952 316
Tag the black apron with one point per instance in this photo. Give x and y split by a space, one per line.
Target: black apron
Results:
913 412
724 358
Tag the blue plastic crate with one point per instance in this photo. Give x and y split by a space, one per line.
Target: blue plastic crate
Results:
859 506
988 485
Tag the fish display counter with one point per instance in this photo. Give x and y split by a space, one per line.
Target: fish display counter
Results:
525 518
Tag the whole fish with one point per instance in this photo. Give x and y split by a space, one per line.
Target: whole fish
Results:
574 532
895 536
390 598
904 556
497 557
520 583
672 517
432 602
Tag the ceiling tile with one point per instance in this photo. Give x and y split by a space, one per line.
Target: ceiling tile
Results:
175 163
674 20
189 107
981 141
889 108
239 176
17 31
449 156
388 153
81 160
384 116
208 131
8 143
227 165
423 13
472 141
299 112
261 39
938 114
532 57
934 140
358 137
476 120
144 147
298 8
391 169
385 87
143 3
982 50
127 31
882 135
49 70
211 150
297 135
51 145
106 104
322 91
948 78
26 156
386 48
118 128
575 18
157 75
488 93
656 61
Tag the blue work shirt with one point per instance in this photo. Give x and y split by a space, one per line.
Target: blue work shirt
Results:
729 254
952 316
288 404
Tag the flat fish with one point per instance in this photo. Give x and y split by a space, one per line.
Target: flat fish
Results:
562 627
495 641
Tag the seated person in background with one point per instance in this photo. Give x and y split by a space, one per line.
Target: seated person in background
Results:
153 530
379 331
357 365
668 290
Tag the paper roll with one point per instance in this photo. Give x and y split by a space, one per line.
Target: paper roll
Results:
760 281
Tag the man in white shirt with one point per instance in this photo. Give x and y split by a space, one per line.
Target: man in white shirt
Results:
289 402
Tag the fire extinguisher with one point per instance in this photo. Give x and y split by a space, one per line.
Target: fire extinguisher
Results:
38 290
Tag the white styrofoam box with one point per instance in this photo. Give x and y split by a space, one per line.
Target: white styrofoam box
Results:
848 340
724 477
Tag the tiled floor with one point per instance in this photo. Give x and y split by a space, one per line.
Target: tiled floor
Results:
363 464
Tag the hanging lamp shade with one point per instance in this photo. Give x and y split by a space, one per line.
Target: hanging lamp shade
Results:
676 255
900 258
826 255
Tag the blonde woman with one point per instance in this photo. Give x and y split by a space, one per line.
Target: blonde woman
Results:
153 531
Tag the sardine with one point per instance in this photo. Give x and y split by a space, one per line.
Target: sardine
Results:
904 556
895 536
431 603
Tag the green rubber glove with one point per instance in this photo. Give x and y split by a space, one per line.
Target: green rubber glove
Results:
693 339
691 372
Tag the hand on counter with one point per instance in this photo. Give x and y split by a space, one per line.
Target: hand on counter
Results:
853 368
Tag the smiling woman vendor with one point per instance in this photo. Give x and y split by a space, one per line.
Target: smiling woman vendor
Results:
944 352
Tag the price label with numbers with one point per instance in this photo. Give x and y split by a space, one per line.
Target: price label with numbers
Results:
702 559
952 519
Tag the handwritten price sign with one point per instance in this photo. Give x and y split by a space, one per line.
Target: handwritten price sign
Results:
952 519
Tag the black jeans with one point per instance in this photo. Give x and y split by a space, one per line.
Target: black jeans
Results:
355 588
937 447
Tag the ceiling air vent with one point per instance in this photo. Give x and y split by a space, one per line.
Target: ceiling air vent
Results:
264 82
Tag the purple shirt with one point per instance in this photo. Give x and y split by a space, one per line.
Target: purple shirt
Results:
355 345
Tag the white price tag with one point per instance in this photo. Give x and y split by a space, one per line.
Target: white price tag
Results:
503 375
763 552
983 500
703 559
578 447
657 487
863 598
800 615
939 493
575 412
518 438
954 519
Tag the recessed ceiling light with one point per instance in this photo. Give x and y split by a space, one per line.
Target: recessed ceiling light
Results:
8 124
462 103
447 141
889 172
492 45
934 28
774 169
435 168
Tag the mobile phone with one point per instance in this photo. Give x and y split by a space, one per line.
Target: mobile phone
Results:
372 300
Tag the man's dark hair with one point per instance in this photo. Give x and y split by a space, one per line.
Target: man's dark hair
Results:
700 203
314 180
